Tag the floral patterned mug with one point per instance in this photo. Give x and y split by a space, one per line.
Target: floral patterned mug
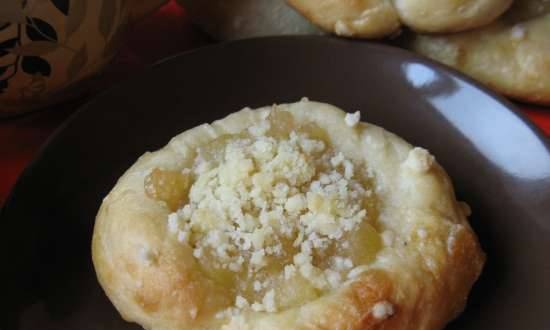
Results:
48 47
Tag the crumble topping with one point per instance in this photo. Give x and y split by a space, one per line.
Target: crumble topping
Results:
518 32
353 119
275 206
419 160
382 310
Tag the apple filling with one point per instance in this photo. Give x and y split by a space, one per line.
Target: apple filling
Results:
274 215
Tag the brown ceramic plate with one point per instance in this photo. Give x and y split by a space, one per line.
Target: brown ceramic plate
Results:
500 165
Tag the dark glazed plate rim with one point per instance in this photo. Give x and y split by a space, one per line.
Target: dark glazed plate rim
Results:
58 138
421 59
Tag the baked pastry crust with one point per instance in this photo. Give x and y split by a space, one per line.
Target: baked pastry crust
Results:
449 16
379 18
419 279
511 55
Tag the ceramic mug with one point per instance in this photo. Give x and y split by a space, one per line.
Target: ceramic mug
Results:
47 47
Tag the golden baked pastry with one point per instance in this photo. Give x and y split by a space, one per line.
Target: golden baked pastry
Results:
379 18
511 56
294 216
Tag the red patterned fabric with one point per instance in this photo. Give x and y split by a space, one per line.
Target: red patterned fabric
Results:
21 138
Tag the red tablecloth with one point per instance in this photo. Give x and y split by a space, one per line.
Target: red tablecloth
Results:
22 137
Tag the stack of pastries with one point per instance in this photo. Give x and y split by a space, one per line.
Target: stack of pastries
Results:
505 44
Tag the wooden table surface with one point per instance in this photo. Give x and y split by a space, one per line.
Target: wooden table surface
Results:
22 137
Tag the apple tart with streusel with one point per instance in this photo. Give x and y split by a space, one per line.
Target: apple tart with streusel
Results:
293 216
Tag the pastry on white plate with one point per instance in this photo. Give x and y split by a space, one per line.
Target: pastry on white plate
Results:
293 216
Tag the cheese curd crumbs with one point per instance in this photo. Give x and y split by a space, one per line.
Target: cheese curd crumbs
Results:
274 214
